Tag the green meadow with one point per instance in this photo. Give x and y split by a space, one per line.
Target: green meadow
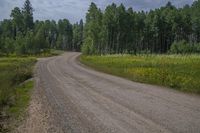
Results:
181 72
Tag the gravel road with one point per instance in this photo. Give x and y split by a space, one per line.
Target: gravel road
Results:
80 100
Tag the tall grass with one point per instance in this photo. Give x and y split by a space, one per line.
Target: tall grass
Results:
175 71
13 71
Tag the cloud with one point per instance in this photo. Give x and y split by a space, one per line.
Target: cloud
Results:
74 10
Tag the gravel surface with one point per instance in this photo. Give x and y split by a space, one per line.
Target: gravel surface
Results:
72 98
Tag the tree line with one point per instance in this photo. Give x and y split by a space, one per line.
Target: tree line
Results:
22 35
120 30
112 31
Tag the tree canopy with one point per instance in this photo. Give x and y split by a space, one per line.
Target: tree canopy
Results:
121 30
115 30
21 35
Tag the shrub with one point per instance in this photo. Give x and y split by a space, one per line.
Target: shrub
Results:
182 47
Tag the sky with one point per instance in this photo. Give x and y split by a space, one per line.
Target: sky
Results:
74 10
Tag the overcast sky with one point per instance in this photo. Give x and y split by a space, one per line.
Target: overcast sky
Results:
74 10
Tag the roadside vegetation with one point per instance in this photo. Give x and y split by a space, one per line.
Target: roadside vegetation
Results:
15 93
175 71
137 45
21 41
13 96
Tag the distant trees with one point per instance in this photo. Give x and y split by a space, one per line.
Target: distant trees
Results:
17 21
65 30
78 35
121 30
113 31
21 35
183 47
92 30
27 11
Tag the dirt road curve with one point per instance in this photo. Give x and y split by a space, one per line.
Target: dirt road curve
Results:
80 100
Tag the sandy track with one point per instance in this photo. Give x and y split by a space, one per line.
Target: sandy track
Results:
80 100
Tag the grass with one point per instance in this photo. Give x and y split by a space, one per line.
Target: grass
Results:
14 97
17 111
175 71
14 71
47 53
22 99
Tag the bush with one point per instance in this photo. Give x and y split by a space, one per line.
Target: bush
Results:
182 47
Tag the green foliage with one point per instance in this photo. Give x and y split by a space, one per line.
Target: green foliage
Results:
18 107
176 71
182 47
27 44
20 35
20 45
40 40
22 99
88 47
7 29
121 30
17 20
65 40
8 47
92 30
77 36
13 71
59 43
116 30
28 15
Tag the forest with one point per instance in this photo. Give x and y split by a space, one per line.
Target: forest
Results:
21 35
115 30
164 30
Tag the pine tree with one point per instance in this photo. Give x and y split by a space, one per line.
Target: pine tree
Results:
28 15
